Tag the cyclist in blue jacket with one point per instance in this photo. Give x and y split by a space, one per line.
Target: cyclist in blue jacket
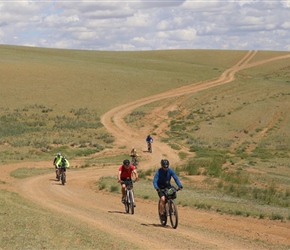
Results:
149 139
162 179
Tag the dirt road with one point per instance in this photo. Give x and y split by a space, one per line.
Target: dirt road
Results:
197 229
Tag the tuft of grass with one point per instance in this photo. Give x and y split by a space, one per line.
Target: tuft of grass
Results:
277 217
174 146
144 173
114 189
192 167
182 155
135 116
203 206
102 185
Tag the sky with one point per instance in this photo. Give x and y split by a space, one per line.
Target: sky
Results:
120 25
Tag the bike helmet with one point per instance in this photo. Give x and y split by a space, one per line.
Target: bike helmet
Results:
63 158
126 162
58 154
165 163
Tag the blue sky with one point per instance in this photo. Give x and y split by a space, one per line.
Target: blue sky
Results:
147 24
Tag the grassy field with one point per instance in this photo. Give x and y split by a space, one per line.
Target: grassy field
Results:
51 100
61 94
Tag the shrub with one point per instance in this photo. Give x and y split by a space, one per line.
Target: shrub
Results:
114 189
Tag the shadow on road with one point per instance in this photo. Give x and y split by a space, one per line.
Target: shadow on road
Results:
56 182
154 225
117 212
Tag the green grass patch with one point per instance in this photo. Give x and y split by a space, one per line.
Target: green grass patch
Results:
24 172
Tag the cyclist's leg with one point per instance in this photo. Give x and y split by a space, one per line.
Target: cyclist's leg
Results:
123 192
133 197
162 204
56 171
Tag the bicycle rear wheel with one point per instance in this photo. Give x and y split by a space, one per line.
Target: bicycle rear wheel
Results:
163 217
131 202
173 214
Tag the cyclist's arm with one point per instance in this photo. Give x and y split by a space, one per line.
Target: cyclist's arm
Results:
119 175
67 164
176 179
155 180
135 173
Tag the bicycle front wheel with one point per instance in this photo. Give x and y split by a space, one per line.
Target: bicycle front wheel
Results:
63 178
131 202
126 204
173 214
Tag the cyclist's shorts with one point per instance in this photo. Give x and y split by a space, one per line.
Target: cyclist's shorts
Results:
125 179
161 193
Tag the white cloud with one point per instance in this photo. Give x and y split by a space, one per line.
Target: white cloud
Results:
143 24
285 25
286 3
163 25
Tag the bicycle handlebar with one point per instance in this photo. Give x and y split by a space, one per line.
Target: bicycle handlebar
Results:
128 181
164 189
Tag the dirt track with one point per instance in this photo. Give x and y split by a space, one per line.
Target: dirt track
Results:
197 229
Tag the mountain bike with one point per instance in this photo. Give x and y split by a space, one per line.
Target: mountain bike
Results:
170 208
129 198
149 147
62 176
134 160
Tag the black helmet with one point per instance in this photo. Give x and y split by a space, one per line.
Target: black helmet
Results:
126 162
165 163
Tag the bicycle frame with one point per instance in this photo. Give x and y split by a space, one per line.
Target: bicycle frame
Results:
129 199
